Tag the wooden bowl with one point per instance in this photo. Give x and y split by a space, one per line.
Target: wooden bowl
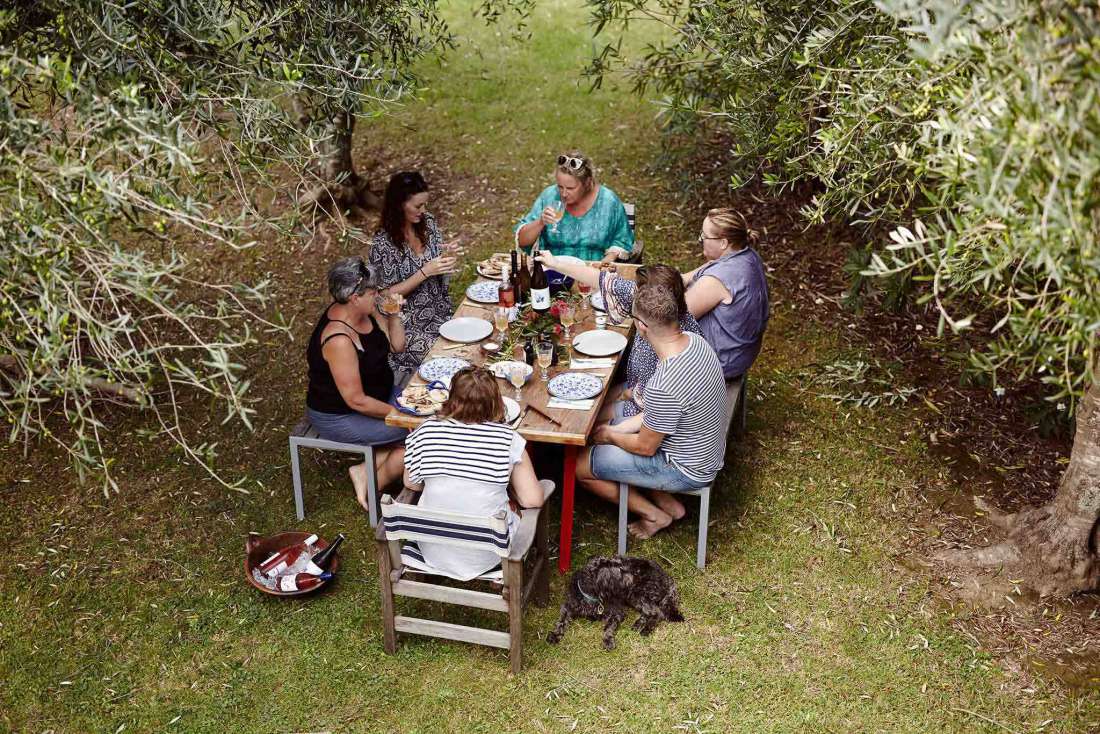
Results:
258 549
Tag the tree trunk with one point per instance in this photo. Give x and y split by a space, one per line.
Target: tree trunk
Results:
339 189
1054 547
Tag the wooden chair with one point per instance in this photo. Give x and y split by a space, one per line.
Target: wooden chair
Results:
735 422
635 255
403 521
304 435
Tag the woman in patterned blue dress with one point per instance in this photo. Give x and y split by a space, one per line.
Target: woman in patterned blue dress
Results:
618 296
408 254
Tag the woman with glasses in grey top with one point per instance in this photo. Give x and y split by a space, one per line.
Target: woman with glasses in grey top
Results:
351 383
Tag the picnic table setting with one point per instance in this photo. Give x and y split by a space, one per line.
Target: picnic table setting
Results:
559 360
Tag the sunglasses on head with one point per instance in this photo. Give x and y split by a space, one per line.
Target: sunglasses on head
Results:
573 164
366 273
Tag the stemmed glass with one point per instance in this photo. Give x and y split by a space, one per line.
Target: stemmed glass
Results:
559 213
545 353
500 319
517 375
568 315
584 289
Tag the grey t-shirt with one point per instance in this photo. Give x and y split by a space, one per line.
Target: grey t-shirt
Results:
736 329
686 399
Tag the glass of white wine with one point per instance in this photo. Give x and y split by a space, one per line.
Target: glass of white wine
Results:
559 214
545 353
500 319
517 375
568 317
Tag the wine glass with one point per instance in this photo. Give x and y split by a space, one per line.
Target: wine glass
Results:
500 318
517 375
584 289
568 315
559 214
389 305
545 353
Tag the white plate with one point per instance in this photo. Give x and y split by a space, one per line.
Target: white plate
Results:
442 369
511 409
597 301
466 329
599 342
574 386
484 291
500 369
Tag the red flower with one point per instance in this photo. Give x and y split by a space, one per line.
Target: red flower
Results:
557 329
555 309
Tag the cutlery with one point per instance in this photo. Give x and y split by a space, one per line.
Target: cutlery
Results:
545 415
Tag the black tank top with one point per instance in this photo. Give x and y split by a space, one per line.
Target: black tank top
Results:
374 367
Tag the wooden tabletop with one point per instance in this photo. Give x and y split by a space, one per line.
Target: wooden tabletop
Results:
576 424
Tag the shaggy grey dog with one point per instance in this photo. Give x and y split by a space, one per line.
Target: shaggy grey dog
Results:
606 587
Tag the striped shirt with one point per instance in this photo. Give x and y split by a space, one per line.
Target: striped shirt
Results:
686 400
448 448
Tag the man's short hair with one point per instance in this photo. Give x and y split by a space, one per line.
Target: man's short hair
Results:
656 305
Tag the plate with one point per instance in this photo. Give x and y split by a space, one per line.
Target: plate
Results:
486 274
511 409
597 301
599 342
574 386
484 291
465 329
441 368
500 369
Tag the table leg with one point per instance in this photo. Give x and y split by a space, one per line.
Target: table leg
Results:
569 478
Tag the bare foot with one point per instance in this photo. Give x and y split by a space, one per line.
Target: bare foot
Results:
358 474
646 528
668 503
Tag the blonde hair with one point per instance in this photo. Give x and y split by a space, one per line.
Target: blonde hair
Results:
732 226
586 174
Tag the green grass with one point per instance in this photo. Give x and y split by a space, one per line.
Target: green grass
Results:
131 612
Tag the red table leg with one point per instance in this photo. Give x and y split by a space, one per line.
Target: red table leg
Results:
569 477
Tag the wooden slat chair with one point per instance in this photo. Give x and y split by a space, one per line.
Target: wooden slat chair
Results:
403 521
635 255
304 435
735 422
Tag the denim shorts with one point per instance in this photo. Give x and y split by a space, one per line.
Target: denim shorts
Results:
653 472
356 428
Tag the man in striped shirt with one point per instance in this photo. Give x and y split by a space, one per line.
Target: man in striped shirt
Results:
678 442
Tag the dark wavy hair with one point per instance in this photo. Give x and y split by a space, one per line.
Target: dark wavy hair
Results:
402 186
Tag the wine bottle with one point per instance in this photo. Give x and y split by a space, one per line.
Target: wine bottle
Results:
302 581
516 284
523 280
540 289
529 352
280 560
323 559
506 296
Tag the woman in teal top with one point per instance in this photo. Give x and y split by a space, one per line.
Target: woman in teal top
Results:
593 225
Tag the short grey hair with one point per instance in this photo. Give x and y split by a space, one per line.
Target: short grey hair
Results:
350 277
656 305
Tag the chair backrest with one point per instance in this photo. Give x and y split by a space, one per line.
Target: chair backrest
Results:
412 522
630 217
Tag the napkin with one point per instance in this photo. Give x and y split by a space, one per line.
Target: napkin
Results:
582 363
571 404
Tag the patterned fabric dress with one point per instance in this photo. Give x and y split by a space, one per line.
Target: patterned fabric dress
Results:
428 306
641 363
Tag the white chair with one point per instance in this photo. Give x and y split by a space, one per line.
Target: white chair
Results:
735 421
305 435
403 521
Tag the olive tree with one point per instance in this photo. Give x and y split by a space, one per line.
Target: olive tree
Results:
127 129
969 133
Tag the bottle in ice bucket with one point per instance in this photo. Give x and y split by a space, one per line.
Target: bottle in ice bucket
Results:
303 581
280 560
324 559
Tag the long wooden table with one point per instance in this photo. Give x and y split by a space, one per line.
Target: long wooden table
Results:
575 426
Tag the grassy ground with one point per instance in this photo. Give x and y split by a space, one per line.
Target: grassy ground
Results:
131 614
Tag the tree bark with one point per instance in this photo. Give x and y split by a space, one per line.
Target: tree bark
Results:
1054 547
339 189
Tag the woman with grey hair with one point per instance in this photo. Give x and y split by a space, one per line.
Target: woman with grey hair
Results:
351 384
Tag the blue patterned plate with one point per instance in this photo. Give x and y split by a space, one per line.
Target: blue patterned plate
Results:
574 386
597 301
484 291
441 368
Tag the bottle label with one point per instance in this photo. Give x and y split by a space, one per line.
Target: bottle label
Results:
314 569
276 570
540 299
288 583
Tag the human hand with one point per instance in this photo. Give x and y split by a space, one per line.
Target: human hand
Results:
552 215
546 258
442 265
390 303
602 434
